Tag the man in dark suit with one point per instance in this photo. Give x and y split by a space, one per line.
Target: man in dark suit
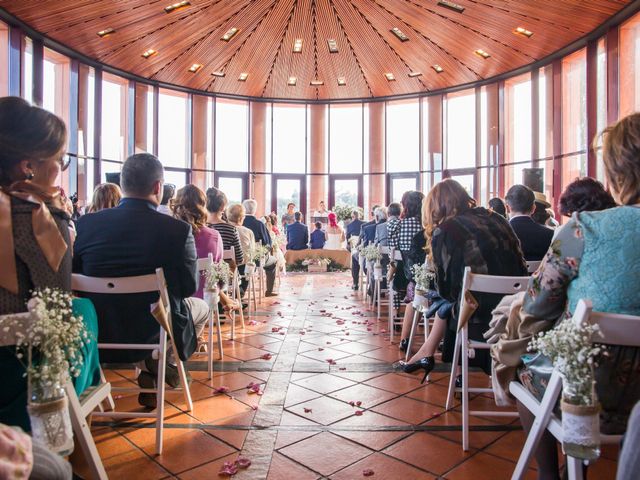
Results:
534 238
135 239
353 230
297 234
262 235
368 230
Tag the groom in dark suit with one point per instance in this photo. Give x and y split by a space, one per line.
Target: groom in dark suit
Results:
297 234
135 239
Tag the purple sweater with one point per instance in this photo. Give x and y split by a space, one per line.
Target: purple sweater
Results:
208 241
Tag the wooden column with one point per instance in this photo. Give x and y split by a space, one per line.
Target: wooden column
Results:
434 153
493 138
199 129
592 105
376 155
318 153
140 119
258 156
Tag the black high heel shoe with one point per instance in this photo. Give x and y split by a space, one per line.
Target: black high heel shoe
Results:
426 363
404 343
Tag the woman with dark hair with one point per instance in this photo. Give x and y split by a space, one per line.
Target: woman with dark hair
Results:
458 235
497 205
584 195
105 195
216 204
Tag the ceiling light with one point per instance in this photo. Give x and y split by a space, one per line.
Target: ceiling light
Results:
523 31
451 6
482 53
218 73
297 45
400 34
106 32
414 74
230 34
195 67
243 77
342 81
149 53
292 81
333 45
437 68
390 77
176 6
316 83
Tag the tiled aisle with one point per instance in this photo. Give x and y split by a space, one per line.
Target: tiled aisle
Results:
316 353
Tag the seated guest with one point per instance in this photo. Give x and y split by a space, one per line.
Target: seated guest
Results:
459 234
261 235
105 195
318 237
216 204
380 236
135 239
497 205
534 238
594 256
584 195
379 216
353 229
393 222
543 213
168 191
297 234
235 216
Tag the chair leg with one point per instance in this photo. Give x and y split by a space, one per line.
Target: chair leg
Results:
231 316
107 404
210 346
414 323
185 385
219 329
239 299
465 390
160 388
574 468
452 378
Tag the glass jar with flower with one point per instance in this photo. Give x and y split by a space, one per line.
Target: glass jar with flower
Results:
217 278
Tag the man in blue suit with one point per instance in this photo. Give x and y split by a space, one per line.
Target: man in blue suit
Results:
353 229
297 234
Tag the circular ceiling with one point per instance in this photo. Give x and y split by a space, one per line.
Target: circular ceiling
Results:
315 49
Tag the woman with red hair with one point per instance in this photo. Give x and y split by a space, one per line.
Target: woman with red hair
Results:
335 235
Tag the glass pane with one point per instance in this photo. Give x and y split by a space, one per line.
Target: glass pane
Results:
232 135
232 188
289 142
574 102
403 136
150 139
346 193
27 70
629 65
461 130
173 116
49 87
518 127
345 137
602 102
113 140
466 181
401 185
179 179
287 191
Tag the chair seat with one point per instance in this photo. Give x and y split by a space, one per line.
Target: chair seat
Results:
93 396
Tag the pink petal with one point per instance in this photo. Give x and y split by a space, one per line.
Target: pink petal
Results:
308 410
320 349
243 462
358 413
223 389
342 368
254 407
352 403
358 403
367 472
266 356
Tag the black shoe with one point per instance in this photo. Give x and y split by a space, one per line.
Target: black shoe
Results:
354 287
146 380
425 363
459 381
404 343
270 294
171 374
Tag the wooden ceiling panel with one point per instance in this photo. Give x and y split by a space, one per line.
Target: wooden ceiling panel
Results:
263 47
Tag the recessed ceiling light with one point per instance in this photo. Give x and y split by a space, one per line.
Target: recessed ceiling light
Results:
333 45
414 74
230 34
482 53
176 6
106 32
390 76
195 67
451 6
292 81
400 34
243 77
297 45
437 68
342 81
523 31
218 73
149 53
316 83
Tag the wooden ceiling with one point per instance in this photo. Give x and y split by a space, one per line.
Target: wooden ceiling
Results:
268 29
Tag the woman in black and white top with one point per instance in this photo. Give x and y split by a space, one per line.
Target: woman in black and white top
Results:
216 203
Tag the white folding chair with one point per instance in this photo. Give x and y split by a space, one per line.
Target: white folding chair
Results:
214 317
395 255
615 329
233 289
532 266
140 284
473 282
377 287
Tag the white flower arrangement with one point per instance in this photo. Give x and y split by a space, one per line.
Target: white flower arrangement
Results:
278 241
56 334
570 348
316 261
217 274
423 276
257 253
371 253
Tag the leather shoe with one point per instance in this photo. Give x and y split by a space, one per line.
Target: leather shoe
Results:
146 380
270 294
171 374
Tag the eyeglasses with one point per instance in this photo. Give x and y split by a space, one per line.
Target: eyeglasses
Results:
65 161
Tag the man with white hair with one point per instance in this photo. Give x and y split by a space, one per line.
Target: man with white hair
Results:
261 234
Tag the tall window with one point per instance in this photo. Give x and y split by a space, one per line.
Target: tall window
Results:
403 136
518 127
4 59
232 135
345 138
461 129
27 70
114 118
289 138
629 65
574 116
173 129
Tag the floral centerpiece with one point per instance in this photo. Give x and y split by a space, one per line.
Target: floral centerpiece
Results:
570 347
371 253
255 256
423 277
343 212
217 275
279 241
49 342
316 264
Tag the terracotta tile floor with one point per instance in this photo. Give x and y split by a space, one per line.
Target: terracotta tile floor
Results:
327 350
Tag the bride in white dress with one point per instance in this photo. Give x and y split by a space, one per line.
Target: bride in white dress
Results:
335 235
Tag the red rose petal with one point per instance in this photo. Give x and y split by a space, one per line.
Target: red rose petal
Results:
308 410
223 389
266 356
367 472
243 462
358 413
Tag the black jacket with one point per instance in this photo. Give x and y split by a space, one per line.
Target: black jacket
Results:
135 239
534 238
258 228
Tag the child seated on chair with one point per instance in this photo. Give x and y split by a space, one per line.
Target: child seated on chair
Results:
318 237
